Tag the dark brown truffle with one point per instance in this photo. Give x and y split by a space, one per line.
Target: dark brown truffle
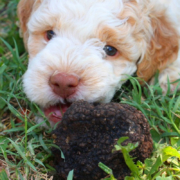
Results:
88 133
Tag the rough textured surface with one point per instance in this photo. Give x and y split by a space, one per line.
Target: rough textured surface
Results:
88 133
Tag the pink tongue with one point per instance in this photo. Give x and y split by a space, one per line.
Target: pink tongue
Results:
55 113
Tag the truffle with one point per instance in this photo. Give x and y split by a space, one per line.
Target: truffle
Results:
88 133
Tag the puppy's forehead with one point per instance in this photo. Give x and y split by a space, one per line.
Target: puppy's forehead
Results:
76 14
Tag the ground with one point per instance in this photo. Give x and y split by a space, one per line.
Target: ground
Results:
25 149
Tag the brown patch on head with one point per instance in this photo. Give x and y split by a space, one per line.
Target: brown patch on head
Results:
108 35
114 38
25 8
35 44
162 49
131 10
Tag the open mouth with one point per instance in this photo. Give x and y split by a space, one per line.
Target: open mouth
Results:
55 113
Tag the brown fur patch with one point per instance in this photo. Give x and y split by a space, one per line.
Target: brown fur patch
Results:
131 10
114 38
36 44
163 48
25 8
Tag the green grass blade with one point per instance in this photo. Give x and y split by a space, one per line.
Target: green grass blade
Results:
105 168
31 149
3 175
57 147
34 127
39 162
43 144
70 175
14 130
3 67
22 154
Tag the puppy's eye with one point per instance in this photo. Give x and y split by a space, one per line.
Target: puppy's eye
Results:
49 35
110 51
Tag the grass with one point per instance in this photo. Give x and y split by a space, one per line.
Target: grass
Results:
25 147
9 25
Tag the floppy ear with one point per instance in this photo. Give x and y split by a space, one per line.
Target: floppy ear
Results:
162 48
25 7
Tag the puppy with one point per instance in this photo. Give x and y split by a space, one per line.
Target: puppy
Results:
86 49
